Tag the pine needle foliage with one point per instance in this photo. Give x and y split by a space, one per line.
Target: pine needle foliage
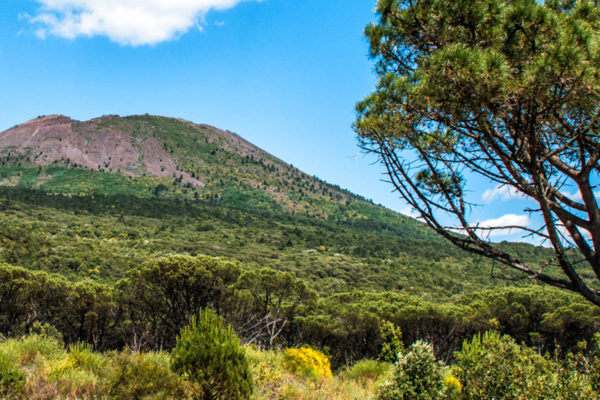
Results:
208 352
392 346
505 91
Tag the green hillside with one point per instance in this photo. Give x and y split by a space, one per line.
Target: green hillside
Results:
102 236
99 222
211 164
120 254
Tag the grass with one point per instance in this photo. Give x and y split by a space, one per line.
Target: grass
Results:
275 381
51 372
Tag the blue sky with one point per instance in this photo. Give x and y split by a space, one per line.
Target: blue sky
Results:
284 74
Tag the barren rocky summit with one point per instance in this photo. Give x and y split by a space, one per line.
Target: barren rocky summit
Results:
129 145
165 155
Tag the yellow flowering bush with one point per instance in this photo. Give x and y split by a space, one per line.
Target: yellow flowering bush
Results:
56 369
308 361
453 385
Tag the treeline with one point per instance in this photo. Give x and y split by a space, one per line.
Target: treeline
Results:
148 308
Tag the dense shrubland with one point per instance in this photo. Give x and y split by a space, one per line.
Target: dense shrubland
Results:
38 366
148 308
95 289
120 341
101 237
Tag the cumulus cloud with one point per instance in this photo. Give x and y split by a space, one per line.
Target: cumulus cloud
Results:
127 22
576 196
505 220
505 225
503 192
410 212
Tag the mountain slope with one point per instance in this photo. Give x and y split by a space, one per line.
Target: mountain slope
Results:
93 199
158 157
208 161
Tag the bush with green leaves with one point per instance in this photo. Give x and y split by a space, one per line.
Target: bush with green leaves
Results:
84 357
392 345
144 376
417 375
12 378
366 370
493 366
30 350
593 363
208 352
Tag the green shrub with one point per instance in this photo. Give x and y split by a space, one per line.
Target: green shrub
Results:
33 349
417 375
141 376
85 358
365 371
307 361
575 377
12 378
392 345
70 381
595 364
209 353
76 374
595 375
493 366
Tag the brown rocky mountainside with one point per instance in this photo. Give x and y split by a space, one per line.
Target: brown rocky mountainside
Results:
204 161
108 144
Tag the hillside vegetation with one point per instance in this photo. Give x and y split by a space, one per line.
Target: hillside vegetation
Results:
113 192
106 256
101 237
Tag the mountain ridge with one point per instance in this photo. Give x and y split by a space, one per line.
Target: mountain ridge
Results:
203 157
64 126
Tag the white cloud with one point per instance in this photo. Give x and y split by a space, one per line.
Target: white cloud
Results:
410 212
505 220
504 192
514 234
576 196
127 22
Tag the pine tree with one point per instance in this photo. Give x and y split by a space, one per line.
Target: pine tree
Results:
507 91
209 353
